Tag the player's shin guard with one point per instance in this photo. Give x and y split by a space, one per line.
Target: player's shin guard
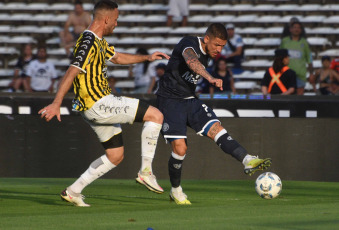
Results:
174 169
149 140
98 168
230 146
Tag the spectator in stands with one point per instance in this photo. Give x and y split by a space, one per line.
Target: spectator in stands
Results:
20 77
79 20
222 72
41 73
279 79
327 78
138 71
300 55
234 48
155 72
286 31
178 8
335 64
111 82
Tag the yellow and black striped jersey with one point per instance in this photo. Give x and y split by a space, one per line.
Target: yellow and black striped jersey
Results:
90 55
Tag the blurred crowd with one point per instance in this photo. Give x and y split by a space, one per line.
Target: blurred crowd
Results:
291 70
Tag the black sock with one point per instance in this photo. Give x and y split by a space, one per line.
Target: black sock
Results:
174 170
232 147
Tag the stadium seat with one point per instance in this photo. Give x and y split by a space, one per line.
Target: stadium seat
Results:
159 30
267 19
286 8
332 19
119 73
21 40
198 7
245 18
125 84
60 18
153 7
251 30
152 40
242 7
171 40
37 6
220 7
222 19
8 51
309 7
262 7
18 17
183 30
201 18
5 73
129 7
330 52
161 49
24 29
5 29
273 30
42 17
316 41
61 6
156 18
15 6
246 85
313 19
268 42
257 63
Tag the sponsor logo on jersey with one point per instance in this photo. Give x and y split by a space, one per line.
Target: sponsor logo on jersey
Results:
191 78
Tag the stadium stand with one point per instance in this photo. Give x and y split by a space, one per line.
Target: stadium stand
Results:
142 23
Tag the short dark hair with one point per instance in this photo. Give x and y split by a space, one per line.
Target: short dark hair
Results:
217 30
78 2
106 5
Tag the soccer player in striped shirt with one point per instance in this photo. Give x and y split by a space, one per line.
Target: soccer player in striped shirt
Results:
103 111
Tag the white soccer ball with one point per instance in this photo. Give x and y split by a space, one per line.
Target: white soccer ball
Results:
268 185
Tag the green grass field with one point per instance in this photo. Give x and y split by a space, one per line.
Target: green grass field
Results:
123 204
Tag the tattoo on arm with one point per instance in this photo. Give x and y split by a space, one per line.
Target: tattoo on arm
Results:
194 64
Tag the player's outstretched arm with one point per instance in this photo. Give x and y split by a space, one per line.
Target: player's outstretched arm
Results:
125 58
195 65
54 108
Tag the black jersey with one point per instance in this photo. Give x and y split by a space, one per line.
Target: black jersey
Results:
179 80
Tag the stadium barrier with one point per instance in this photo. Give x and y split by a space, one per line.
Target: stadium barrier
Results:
301 147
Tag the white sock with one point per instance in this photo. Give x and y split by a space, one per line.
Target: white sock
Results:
97 168
149 139
247 158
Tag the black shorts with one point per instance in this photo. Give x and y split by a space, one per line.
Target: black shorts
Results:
180 113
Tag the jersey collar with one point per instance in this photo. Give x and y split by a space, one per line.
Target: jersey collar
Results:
200 46
93 33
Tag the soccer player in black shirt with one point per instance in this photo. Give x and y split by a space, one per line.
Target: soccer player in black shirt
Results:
177 101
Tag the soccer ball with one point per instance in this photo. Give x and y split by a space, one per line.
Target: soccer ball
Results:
268 185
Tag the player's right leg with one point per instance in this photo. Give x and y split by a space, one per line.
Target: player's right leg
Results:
175 162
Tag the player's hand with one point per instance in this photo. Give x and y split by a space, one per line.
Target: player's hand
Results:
157 56
216 82
50 111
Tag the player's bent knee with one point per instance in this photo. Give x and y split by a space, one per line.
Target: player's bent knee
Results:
179 147
154 115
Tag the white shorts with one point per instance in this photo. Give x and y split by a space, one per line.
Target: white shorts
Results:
108 113
178 8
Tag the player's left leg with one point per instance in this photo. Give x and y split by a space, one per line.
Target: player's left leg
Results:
114 155
153 119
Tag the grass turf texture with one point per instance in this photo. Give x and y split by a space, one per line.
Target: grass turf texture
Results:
123 204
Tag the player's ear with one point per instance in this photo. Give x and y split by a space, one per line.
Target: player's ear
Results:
206 39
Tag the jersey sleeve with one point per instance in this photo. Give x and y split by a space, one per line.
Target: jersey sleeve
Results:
84 51
187 43
110 52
